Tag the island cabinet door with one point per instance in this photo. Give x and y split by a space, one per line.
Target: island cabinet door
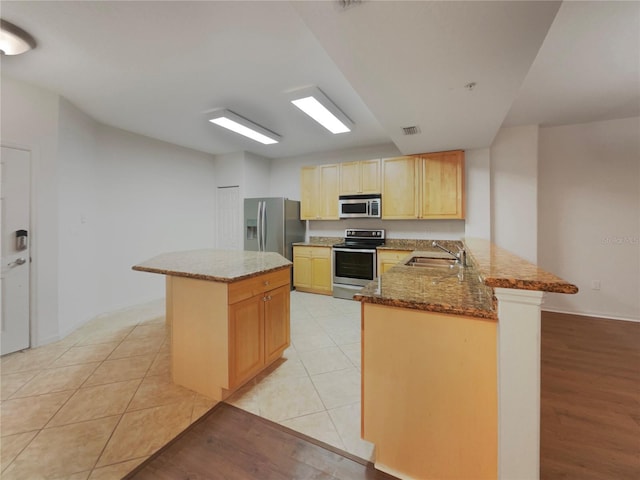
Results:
276 322
246 339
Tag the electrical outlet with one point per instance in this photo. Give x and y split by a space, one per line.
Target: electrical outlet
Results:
595 284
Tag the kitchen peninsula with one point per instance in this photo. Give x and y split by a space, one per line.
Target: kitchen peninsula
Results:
450 365
228 313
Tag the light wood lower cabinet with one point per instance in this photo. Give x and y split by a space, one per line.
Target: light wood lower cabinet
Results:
429 393
223 334
389 258
312 269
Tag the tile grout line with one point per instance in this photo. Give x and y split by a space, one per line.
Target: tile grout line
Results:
125 411
320 397
54 414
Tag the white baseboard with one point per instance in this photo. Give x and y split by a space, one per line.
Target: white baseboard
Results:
590 314
45 341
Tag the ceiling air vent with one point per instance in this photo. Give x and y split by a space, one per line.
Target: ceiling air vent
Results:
411 130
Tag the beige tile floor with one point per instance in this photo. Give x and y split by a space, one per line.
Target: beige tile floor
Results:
97 403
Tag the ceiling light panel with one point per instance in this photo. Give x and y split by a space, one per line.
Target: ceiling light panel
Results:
238 124
317 105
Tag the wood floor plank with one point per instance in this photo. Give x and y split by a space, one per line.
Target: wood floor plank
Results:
231 444
590 398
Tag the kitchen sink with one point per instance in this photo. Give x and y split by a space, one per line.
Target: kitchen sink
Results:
431 262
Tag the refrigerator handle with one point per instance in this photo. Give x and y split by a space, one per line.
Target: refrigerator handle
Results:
258 215
264 226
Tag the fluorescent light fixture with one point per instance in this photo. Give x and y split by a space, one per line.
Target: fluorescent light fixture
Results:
317 105
238 124
14 40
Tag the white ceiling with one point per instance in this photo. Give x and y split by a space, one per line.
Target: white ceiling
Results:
154 68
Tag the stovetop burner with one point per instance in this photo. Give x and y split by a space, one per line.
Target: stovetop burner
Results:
360 238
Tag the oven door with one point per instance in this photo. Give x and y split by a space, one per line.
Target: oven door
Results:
354 266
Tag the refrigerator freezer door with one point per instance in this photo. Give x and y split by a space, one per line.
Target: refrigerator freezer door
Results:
273 225
251 224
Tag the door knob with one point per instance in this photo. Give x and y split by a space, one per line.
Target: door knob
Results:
19 261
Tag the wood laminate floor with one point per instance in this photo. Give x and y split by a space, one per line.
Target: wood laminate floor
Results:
590 400
232 444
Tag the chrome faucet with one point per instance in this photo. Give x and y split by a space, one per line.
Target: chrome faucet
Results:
461 256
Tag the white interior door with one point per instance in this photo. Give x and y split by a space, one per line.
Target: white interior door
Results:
15 167
228 218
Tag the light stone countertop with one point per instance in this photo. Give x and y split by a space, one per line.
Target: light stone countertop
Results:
461 291
214 265
320 242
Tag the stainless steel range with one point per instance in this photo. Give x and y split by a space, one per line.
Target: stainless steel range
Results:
355 261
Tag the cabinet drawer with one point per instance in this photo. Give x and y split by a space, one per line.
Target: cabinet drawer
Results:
250 287
302 251
315 252
393 255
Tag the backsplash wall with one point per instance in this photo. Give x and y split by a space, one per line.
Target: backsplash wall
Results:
412 229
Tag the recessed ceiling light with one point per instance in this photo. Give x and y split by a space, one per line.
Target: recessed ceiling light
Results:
313 102
238 124
14 40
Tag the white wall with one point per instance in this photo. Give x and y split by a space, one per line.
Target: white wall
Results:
29 119
103 200
251 174
514 190
153 197
257 176
78 261
478 186
589 215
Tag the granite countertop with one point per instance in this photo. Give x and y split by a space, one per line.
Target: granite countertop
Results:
411 245
214 265
500 268
457 290
320 242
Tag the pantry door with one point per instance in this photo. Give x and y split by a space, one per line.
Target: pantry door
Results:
15 194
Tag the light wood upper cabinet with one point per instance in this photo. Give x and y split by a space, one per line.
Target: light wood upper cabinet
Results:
400 189
442 185
319 192
309 186
312 269
360 177
427 186
329 192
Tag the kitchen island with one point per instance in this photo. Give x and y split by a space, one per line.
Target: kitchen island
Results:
228 313
450 366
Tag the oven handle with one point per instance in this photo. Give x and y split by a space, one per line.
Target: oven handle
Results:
356 250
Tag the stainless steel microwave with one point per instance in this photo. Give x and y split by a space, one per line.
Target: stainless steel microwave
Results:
359 206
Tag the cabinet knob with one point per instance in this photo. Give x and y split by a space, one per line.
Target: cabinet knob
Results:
266 282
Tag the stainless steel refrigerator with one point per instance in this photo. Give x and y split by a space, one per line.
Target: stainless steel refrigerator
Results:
272 225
